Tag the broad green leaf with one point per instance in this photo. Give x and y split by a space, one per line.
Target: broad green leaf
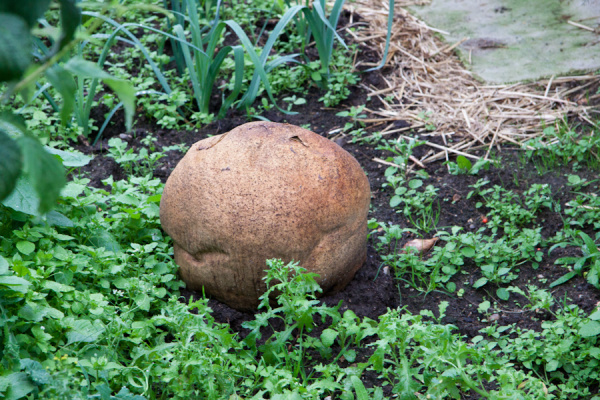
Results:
36 371
10 164
563 279
54 218
3 266
123 89
159 269
13 124
159 292
328 337
4 383
60 236
593 276
19 385
44 171
121 283
378 358
15 283
86 69
589 243
23 198
400 190
589 329
574 179
70 18
578 266
15 46
503 294
463 163
350 355
64 83
29 10
359 388
20 269
143 301
25 247
127 199
395 201
415 183
451 287
54 313
33 312
126 94
72 190
480 282
593 316
82 330
125 394
484 306
552 365
103 238
154 198
468 252
57 287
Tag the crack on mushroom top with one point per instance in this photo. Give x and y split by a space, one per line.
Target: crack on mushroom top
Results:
206 146
296 138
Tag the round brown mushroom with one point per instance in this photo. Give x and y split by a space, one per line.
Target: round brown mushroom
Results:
265 190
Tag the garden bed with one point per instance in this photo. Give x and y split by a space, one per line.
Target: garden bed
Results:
487 312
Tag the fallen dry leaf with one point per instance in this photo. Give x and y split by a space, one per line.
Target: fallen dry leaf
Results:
422 245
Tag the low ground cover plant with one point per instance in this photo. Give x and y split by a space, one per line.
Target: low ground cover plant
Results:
91 306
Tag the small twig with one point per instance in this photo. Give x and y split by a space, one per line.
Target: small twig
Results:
578 25
416 161
448 48
578 88
382 91
433 29
446 151
406 53
582 206
451 150
391 164
493 140
586 119
548 87
535 96
464 113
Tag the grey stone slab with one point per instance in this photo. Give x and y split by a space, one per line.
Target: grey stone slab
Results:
519 40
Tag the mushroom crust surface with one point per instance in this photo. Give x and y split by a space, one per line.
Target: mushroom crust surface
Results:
265 190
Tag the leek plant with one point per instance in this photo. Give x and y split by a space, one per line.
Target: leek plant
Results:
199 52
203 60
314 24
78 80
179 10
323 31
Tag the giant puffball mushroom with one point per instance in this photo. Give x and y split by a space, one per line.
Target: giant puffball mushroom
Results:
265 190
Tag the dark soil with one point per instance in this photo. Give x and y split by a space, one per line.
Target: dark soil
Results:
383 291
372 292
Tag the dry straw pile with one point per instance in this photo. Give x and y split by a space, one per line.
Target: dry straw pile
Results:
432 86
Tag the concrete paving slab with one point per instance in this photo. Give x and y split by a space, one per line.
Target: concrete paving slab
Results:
520 40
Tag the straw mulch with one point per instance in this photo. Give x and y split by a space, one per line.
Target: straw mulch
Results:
432 86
